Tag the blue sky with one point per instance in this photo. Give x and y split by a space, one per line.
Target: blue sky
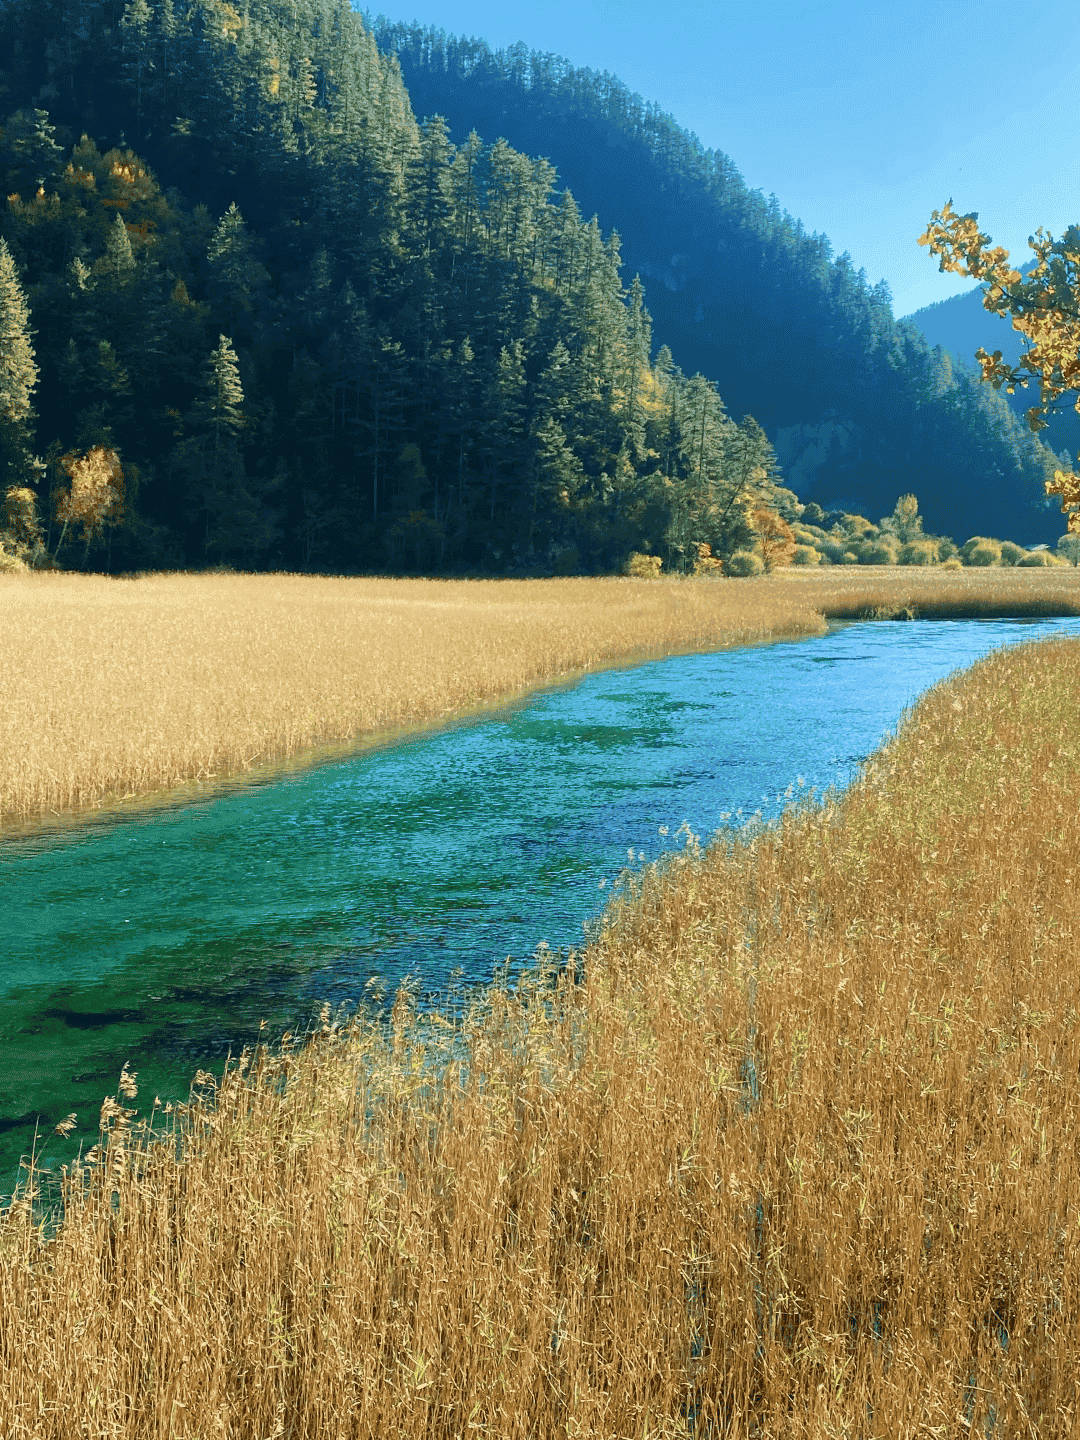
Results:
862 118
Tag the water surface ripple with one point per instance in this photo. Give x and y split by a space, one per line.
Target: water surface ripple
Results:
164 939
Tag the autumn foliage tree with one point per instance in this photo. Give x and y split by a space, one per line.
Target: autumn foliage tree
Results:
95 493
776 539
1045 309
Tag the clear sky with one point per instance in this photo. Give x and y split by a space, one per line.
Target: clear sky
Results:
861 116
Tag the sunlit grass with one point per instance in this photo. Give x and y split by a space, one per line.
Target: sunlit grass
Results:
122 688
796 1156
114 690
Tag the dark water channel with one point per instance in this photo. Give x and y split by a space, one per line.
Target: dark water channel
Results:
163 939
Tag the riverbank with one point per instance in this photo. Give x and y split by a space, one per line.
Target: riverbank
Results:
801 1142
123 694
117 693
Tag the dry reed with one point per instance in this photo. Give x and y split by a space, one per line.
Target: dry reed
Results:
797 1156
115 690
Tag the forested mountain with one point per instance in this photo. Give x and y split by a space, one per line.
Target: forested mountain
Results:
253 312
961 325
857 405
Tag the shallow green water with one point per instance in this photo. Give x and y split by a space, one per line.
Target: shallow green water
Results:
164 939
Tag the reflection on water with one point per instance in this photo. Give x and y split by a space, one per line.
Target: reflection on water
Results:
164 939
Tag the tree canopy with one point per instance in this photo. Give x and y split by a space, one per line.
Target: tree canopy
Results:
1045 309
313 331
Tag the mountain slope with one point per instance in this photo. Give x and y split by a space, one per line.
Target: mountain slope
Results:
961 325
855 404
293 327
324 337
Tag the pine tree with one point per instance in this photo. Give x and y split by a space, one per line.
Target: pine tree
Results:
555 481
372 382
503 424
566 245
636 349
460 406
237 280
29 156
220 408
135 27
465 194
118 262
542 220
18 372
18 377
209 462
428 205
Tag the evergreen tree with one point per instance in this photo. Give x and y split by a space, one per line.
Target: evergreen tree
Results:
135 24
30 158
504 431
549 501
636 349
18 377
18 372
428 188
462 420
118 262
237 280
236 520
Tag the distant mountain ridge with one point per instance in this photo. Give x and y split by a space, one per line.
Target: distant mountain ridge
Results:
962 324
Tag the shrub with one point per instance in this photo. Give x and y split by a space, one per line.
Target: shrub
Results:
805 555
918 552
1012 554
1035 557
981 547
643 567
987 553
859 527
744 562
706 562
952 563
848 558
877 552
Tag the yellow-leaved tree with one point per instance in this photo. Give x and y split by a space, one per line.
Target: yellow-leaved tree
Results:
1045 309
776 539
96 492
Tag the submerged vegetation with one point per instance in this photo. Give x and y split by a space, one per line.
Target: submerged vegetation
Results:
794 1156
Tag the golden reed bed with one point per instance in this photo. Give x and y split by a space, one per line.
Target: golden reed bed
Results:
792 1156
114 690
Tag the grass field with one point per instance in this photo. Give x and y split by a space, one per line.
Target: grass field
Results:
797 1156
113 690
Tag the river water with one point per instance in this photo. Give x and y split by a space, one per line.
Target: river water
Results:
163 939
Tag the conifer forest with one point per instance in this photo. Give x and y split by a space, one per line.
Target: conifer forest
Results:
278 292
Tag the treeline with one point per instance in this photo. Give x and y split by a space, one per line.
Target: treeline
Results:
380 351
791 333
